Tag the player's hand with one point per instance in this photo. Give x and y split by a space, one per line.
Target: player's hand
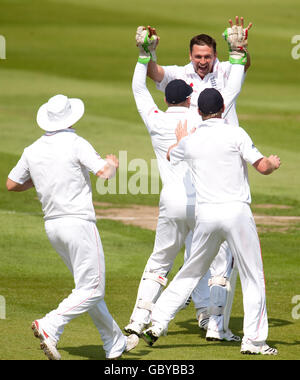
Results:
152 32
237 36
275 161
112 160
237 39
154 42
181 130
110 168
146 41
169 150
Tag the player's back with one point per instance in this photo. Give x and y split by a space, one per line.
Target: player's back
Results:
162 132
219 171
62 183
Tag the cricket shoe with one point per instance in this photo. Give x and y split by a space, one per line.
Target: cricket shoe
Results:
134 328
47 344
203 319
227 336
151 335
251 348
131 342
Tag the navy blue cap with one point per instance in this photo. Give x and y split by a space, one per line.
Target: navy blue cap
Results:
210 101
177 91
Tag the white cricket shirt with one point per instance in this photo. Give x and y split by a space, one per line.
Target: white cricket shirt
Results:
161 127
219 79
58 164
217 154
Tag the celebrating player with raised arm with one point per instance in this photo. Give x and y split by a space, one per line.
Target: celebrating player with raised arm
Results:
206 71
215 153
177 199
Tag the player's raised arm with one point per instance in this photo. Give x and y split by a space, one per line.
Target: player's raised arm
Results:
146 44
237 38
233 86
154 71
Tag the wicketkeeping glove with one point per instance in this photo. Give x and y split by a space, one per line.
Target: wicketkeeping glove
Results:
237 39
146 45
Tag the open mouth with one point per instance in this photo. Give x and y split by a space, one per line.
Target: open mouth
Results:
203 68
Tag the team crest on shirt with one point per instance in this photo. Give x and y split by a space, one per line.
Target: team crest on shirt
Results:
214 84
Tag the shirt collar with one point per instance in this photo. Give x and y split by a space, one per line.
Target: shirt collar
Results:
177 109
61 130
212 122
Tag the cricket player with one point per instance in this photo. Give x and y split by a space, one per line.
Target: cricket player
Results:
58 166
206 71
217 155
177 200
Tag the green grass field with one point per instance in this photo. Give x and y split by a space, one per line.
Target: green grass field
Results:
87 50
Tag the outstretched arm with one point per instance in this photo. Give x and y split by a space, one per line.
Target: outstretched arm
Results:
233 87
146 42
142 96
154 71
267 165
109 170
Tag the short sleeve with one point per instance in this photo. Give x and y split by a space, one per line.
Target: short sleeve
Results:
20 173
247 149
88 157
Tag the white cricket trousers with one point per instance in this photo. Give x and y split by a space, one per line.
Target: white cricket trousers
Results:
216 223
78 243
174 229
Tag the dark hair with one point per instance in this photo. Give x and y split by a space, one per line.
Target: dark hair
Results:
203 39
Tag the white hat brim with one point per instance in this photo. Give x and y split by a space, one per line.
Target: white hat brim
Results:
77 111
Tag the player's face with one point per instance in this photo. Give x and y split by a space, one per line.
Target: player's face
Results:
203 59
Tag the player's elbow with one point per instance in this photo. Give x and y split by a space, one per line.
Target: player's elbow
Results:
10 185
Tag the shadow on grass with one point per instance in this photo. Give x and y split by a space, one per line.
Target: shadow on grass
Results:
91 352
96 352
191 326
236 325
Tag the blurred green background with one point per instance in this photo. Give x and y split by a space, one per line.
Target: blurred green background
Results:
87 49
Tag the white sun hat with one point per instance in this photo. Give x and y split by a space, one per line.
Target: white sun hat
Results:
59 112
